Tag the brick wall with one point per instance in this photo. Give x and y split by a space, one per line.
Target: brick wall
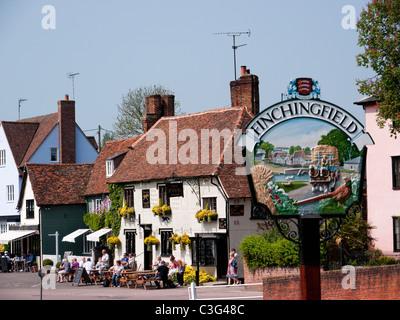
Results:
371 283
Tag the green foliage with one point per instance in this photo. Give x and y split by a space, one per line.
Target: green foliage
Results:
379 35
47 262
269 250
113 218
132 108
95 221
338 139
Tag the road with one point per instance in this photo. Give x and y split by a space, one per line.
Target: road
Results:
26 286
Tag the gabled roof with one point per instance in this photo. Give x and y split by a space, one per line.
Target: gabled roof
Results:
57 184
26 135
137 166
97 183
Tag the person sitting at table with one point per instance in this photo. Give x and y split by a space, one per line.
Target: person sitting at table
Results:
158 262
29 259
117 273
82 262
64 270
99 265
75 264
105 259
131 261
88 265
162 274
125 261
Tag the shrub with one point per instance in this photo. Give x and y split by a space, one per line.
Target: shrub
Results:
260 252
47 262
189 276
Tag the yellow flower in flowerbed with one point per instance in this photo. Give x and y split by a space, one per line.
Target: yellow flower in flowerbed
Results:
189 276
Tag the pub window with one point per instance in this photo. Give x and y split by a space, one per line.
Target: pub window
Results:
130 238
128 195
396 234
30 209
3 157
54 154
162 194
396 172
212 203
166 245
207 252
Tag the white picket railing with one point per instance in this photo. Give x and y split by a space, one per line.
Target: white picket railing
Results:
193 291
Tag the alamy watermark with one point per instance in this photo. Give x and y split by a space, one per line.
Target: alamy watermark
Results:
49 20
349 280
349 21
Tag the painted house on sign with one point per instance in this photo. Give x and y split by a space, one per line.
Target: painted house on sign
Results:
49 139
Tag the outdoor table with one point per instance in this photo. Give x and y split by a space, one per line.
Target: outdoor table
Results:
18 262
140 277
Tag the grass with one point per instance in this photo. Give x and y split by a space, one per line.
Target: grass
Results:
295 185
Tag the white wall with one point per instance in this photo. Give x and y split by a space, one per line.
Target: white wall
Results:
8 176
181 221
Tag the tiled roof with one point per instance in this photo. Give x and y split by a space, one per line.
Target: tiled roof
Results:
59 184
97 182
137 165
25 136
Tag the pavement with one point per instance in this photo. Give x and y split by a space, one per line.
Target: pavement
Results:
27 286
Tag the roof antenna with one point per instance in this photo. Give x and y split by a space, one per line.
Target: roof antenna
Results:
19 107
234 47
72 76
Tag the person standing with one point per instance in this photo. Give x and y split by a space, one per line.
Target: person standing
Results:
232 269
105 259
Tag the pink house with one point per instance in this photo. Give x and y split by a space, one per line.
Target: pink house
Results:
383 182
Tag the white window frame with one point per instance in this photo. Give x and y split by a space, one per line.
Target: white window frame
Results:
212 201
96 205
10 193
3 158
109 168
57 155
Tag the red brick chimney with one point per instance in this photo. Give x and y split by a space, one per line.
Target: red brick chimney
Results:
245 92
66 122
157 106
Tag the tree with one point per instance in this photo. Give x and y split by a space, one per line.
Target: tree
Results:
265 145
379 34
338 139
132 108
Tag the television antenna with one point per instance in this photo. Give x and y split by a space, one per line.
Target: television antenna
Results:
19 107
234 46
72 76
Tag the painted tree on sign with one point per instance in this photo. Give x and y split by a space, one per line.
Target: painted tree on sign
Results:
379 34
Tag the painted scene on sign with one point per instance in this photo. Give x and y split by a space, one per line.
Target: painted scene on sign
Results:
306 166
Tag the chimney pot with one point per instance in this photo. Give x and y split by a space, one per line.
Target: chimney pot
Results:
243 70
66 97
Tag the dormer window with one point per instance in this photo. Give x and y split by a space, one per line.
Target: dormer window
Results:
109 168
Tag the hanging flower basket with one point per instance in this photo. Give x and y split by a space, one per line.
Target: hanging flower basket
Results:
127 212
151 241
161 209
185 241
113 242
175 239
206 215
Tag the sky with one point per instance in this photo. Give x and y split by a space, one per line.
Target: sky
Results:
120 45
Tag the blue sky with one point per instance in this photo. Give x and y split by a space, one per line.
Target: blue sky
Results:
120 45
